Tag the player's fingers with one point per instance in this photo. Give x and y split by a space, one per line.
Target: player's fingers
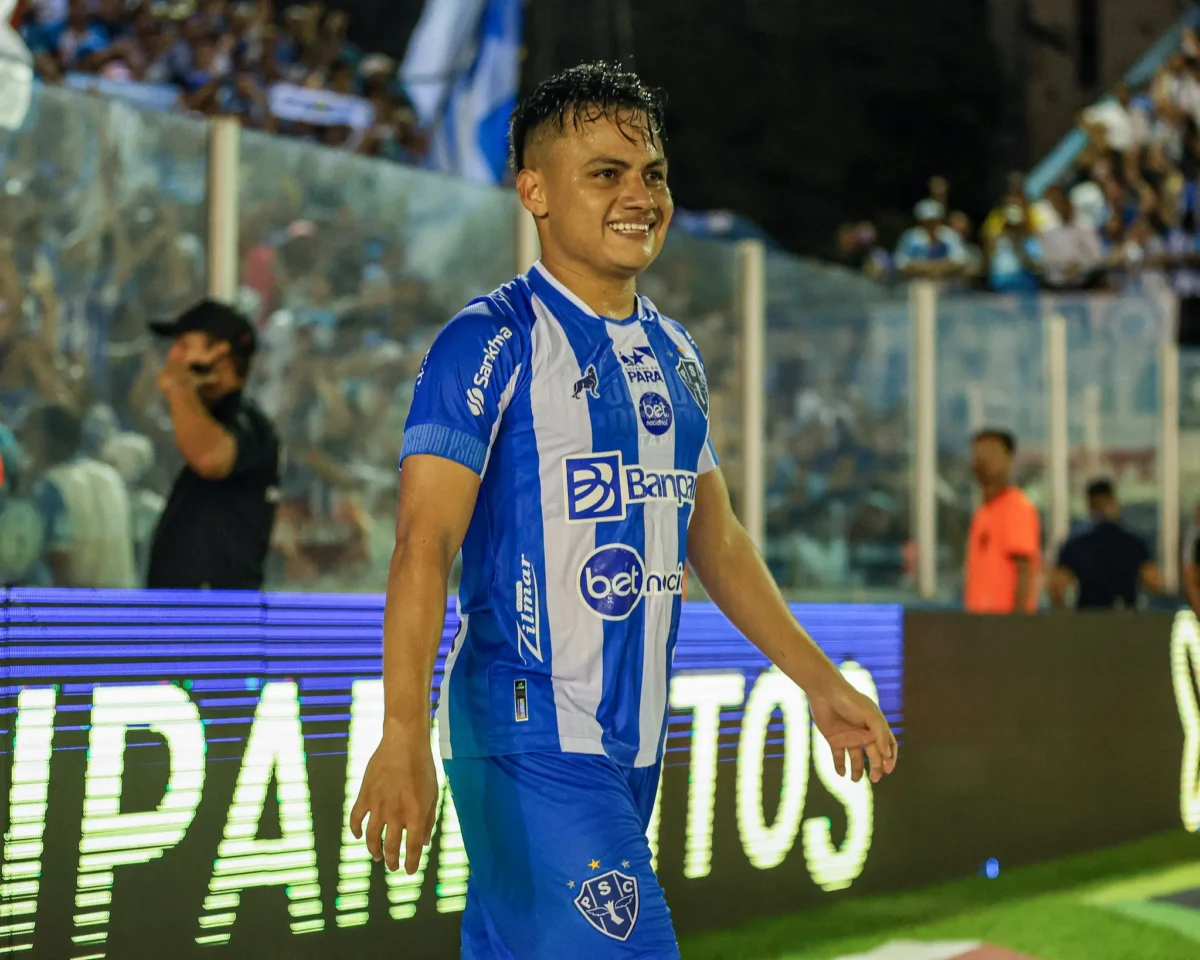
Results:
375 835
357 813
839 759
856 764
893 753
413 838
884 743
430 823
875 760
392 850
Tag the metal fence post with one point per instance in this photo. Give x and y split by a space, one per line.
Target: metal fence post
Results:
922 299
1168 464
1058 481
752 304
224 142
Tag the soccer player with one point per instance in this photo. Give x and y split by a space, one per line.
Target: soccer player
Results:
559 437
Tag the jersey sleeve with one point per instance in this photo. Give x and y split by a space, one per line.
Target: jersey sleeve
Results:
466 382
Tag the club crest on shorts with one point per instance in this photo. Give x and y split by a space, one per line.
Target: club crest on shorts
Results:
609 903
693 378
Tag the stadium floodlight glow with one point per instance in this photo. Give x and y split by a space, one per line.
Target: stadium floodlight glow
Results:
109 838
355 863
1185 675
20 876
704 694
768 846
275 746
835 868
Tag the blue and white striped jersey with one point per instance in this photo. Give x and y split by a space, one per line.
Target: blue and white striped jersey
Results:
588 434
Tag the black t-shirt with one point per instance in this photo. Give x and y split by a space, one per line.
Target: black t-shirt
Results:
215 533
1107 561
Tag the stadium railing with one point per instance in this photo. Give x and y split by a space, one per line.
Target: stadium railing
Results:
842 411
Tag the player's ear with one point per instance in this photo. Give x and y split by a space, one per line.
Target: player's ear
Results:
532 193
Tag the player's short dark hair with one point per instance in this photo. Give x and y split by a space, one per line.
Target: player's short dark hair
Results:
1101 489
584 94
1003 437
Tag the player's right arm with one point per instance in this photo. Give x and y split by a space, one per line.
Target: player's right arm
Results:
464 384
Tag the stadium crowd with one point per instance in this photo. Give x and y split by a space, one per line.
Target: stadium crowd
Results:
294 74
1124 217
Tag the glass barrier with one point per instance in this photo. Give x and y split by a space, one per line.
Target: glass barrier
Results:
694 281
1114 401
103 226
990 373
350 266
837 439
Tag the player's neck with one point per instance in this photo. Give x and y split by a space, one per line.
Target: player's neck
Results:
612 297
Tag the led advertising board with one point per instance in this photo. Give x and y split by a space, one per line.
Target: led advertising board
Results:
178 770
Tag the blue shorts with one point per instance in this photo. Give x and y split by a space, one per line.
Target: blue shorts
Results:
560 865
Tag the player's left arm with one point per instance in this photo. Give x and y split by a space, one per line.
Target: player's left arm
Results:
737 579
1022 542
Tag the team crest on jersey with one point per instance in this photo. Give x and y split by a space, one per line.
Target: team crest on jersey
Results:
609 903
692 375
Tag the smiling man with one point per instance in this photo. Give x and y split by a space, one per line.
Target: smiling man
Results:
559 437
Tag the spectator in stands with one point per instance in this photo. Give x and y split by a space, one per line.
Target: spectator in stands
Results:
1004 543
1016 260
1106 563
1072 253
930 250
83 503
960 223
997 220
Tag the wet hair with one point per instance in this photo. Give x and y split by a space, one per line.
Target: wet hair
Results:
584 94
1003 437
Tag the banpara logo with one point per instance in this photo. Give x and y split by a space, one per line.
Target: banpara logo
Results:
475 401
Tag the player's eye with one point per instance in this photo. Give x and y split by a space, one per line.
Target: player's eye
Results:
656 176
607 173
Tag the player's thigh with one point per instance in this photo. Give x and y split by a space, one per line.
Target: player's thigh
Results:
560 865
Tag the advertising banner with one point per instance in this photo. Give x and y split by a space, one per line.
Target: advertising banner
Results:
178 770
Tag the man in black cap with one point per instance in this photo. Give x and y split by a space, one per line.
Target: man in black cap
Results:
216 527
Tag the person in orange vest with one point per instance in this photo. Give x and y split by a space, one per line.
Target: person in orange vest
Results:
1004 544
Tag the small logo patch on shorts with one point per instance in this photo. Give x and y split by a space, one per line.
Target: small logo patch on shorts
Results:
609 903
520 701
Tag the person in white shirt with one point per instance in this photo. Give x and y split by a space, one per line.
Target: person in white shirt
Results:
1071 251
930 250
83 503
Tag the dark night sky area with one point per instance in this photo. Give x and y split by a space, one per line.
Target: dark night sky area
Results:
798 114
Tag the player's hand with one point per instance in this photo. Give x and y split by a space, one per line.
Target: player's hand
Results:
853 724
398 798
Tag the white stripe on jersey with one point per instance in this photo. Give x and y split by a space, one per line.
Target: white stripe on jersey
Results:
443 708
662 534
562 427
505 399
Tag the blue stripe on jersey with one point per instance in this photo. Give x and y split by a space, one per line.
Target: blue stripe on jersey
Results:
442 441
611 418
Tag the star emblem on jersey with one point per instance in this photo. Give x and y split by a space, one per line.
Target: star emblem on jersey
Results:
595 865
625 864
692 375
609 903
589 384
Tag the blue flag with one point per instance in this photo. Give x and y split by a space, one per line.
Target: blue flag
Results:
461 71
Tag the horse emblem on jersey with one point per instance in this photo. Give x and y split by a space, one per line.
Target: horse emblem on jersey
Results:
590 383
692 375
609 903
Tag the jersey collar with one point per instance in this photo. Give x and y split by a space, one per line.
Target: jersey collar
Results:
550 289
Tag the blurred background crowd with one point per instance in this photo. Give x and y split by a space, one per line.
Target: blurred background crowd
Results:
291 71
348 266
1123 217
